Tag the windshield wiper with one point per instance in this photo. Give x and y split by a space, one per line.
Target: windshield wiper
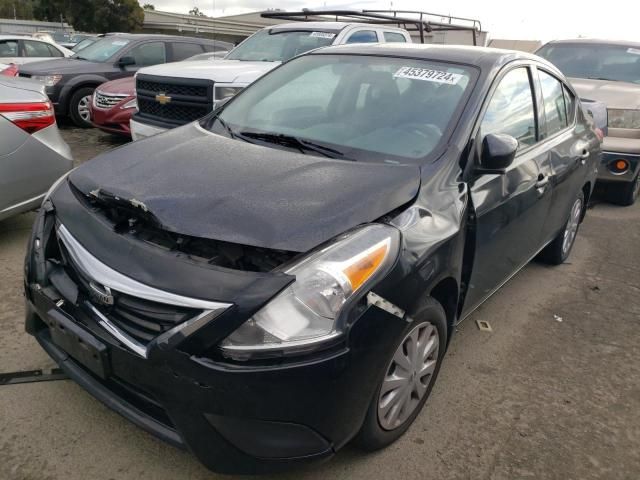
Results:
77 57
294 142
229 130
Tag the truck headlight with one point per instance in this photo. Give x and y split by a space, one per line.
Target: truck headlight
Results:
619 118
307 312
220 93
48 80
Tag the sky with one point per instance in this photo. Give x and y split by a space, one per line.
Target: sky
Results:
537 19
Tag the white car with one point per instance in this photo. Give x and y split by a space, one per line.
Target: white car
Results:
20 50
175 94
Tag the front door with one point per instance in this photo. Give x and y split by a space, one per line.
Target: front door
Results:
510 208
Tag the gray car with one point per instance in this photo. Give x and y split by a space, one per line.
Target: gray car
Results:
609 72
33 155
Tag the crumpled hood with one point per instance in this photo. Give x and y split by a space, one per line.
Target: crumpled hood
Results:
62 66
613 94
206 185
223 71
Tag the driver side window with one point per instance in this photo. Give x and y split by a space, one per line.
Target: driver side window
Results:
511 109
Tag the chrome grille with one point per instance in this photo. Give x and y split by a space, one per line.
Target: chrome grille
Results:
107 100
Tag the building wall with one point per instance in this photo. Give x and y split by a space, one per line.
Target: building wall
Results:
11 26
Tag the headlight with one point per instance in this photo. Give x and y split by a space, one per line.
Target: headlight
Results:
226 92
308 312
130 104
624 118
48 80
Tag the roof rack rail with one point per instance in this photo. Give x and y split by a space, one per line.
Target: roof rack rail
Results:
410 20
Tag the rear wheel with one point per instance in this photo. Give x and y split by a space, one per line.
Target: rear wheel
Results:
625 194
559 249
79 107
408 379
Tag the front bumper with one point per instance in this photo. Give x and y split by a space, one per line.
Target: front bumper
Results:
235 419
115 120
606 173
141 130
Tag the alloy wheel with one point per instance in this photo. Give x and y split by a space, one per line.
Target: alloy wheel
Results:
408 376
571 229
83 108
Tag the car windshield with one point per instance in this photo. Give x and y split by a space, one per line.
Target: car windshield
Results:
83 44
61 37
102 50
349 107
600 62
279 46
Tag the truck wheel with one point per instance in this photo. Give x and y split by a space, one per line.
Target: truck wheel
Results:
407 381
559 249
625 194
79 107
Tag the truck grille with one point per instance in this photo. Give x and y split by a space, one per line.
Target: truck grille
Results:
107 100
171 102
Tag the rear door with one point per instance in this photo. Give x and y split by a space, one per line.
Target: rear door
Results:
510 208
178 51
569 148
35 51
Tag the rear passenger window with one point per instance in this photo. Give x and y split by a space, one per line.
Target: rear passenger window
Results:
511 109
185 50
148 54
570 102
36 49
54 52
394 37
364 36
555 110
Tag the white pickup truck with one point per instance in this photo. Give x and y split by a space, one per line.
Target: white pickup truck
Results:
174 94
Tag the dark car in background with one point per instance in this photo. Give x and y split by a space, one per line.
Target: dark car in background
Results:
71 81
282 277
609 72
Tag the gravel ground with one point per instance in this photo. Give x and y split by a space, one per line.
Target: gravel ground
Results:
552 392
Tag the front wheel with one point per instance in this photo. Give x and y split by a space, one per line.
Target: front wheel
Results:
559 249
408 379
79 107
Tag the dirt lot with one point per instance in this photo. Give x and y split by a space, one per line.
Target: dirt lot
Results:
552 392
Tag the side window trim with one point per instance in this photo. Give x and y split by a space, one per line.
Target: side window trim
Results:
564 99
494 87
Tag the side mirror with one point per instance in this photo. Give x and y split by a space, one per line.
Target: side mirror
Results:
498 152
125 62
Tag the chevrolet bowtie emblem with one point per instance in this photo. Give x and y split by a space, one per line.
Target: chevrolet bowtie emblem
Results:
163 99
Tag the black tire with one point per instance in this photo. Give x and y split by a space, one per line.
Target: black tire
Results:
625 194
74 104
556 252
372 436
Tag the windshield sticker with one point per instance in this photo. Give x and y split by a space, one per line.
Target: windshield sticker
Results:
322 35
119 43
635 51
429 75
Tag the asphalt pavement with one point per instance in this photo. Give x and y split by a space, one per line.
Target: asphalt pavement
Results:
552 392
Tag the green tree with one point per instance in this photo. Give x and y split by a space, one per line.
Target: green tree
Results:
148 6
20 9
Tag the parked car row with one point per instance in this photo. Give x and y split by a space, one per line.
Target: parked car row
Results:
321 218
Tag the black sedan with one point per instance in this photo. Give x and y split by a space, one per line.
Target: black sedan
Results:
284 276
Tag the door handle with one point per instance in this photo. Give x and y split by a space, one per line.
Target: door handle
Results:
583 156
542 182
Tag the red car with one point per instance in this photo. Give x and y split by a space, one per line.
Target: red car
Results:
112 105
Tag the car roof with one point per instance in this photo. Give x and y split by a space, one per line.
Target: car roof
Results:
323 26
153 36
478 56
595 41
